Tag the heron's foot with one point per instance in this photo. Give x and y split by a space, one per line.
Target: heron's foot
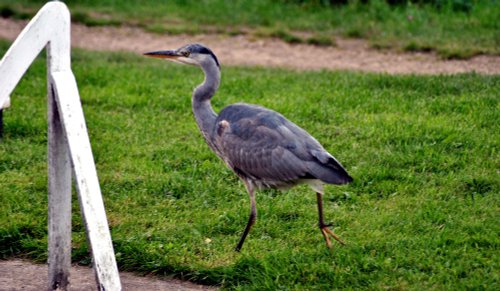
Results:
326 231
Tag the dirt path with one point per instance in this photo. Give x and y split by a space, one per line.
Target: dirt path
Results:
24 275
243 50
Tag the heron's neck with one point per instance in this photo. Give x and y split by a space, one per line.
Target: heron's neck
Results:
203 112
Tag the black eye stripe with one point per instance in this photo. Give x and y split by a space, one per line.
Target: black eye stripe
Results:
200 49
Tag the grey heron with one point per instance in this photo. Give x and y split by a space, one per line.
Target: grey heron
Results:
260 145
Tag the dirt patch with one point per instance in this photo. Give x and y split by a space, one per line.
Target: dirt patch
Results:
24 275
349 54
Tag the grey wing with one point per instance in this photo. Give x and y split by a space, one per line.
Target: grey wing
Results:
266 147
260 156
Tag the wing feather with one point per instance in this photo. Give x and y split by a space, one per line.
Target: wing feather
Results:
263 145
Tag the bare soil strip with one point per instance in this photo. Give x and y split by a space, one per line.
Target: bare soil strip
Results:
349 54
24 275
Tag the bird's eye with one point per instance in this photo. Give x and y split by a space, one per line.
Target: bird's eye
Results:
186 54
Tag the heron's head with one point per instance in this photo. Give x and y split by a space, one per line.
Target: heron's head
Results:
191 54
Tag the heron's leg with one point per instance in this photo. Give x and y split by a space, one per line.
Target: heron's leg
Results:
323 226
253 215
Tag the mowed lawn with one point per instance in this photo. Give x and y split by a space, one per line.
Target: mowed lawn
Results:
422 212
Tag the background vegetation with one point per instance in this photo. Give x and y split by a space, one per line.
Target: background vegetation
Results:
423 211
452 28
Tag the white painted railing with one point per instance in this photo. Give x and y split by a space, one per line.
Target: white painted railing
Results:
68 147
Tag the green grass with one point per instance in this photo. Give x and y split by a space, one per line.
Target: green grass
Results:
422 212
471 29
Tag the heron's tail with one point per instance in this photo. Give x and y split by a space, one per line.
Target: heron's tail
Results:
328 169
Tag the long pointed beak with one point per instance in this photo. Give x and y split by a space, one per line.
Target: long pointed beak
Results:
163 54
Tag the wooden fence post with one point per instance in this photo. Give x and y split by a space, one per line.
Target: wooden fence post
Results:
59 164
59 185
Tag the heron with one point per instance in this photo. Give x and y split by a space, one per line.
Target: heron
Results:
261 146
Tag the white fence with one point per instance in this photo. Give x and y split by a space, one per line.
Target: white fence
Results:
68 147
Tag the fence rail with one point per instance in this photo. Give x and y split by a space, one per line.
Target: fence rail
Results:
69 149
